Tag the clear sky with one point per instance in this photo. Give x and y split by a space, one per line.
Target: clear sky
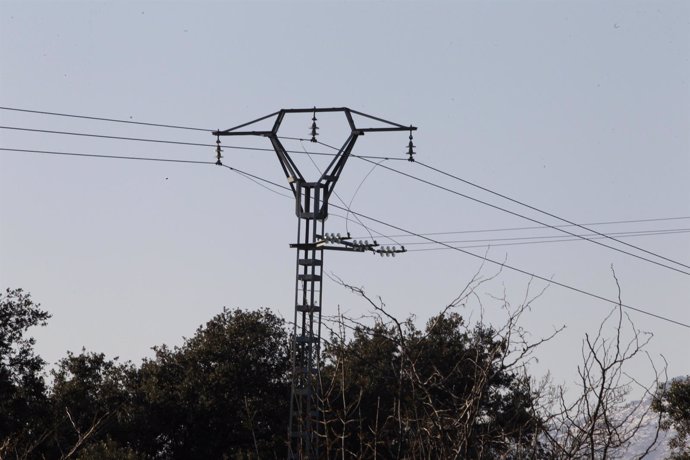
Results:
578 108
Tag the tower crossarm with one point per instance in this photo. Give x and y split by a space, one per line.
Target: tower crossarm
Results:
384 125
331 174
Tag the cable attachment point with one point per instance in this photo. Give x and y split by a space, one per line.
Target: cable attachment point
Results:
410 147
218 151
314 128
390 251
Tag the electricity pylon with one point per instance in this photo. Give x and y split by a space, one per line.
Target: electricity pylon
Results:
312 210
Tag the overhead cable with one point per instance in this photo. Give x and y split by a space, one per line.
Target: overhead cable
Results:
382 166
495 262
553 237
114 157
560 229
445 173
542 241
112 120
164 141
537 227
395 227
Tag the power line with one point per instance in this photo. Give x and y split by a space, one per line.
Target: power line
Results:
553 237
533 275
370 161
550 214
164 141
371 157
500 264
114 157
347 219
103 136
112 120
258 183
588 237
559 228
165 160
163 125
562 240
395 227
354 194
137 139
455 192
121 157
536 227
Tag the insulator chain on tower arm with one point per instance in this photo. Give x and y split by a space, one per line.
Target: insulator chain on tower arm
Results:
346 243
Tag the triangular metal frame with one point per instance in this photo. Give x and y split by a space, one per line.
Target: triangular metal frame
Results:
330 175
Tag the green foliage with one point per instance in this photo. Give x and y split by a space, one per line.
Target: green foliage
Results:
391 391
22 387
673 402
90 396
222 394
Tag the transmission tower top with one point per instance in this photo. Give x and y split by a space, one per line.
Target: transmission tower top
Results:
323 187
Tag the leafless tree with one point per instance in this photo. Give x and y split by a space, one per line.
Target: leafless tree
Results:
428 416
599 421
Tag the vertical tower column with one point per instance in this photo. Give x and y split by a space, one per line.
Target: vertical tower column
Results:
305 408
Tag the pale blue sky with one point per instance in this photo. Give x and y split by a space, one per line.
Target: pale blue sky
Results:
578 108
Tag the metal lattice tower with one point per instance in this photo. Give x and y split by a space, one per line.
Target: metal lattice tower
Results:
311 200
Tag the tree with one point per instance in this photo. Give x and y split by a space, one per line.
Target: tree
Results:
108 449
22 386
456 390
223 394
598 422
672 402
452 390
90 397
441 393
388 389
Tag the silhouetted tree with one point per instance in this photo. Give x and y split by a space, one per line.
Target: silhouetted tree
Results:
223 394
438 393
452 390
672 401
90 397
388 389
22 386
107 449
597 421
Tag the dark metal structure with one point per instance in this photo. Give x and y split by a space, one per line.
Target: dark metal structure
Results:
311 199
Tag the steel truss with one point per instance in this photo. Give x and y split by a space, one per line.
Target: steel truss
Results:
311 208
